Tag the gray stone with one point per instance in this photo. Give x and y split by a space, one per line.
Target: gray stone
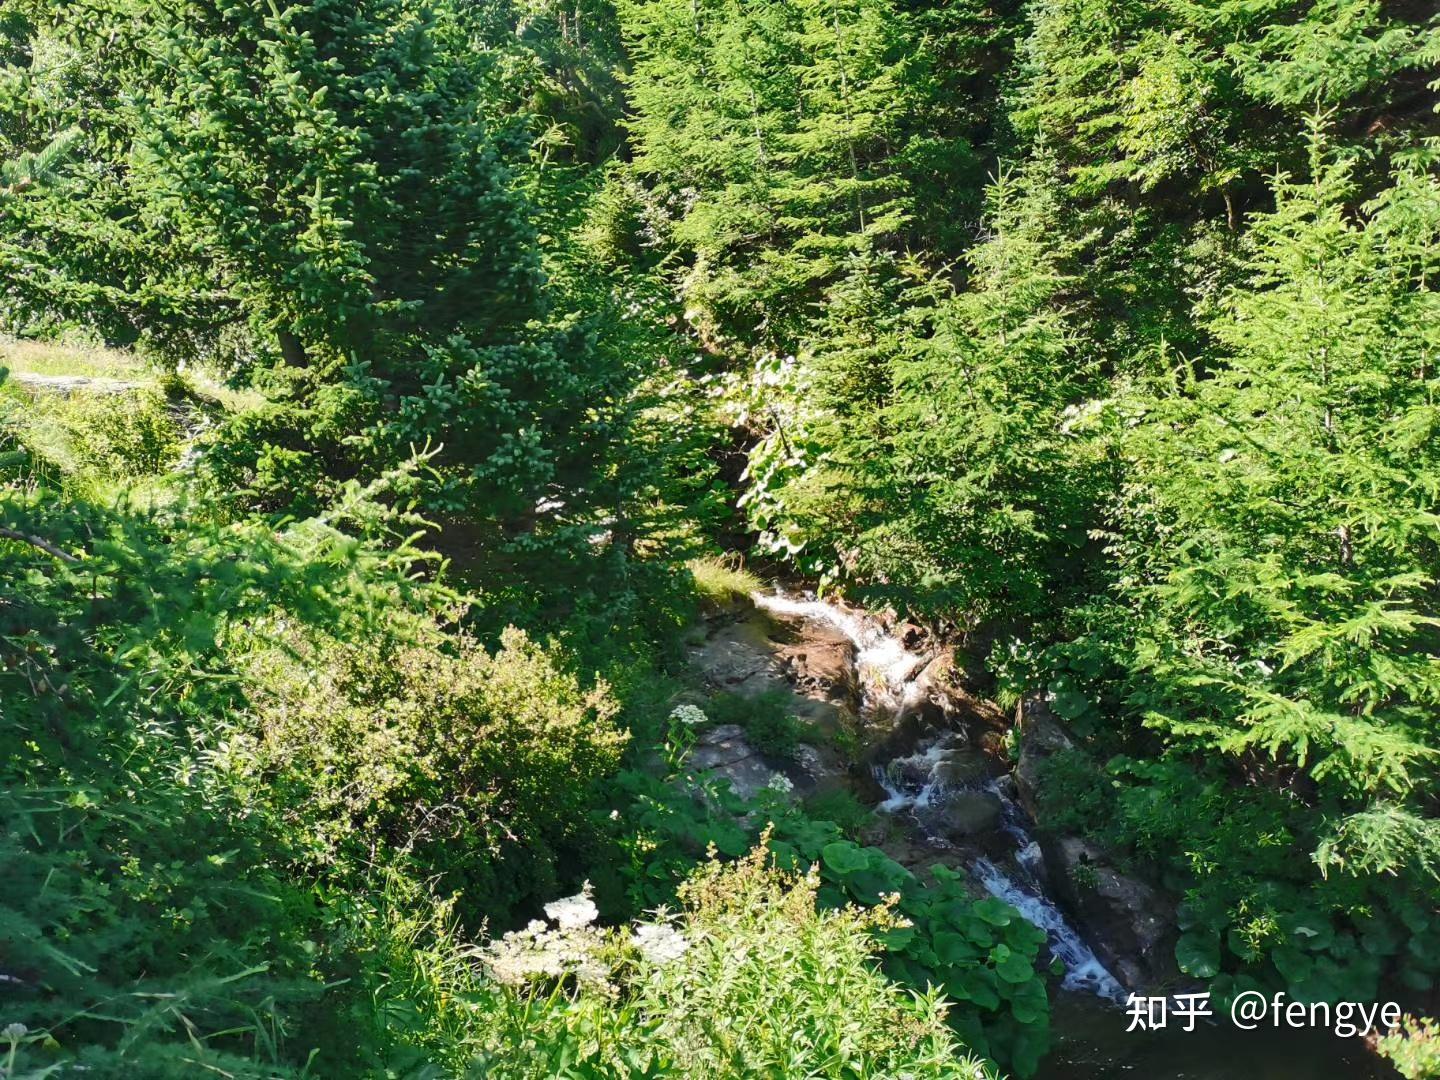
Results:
740 658
970 813
1130 924
723 753
1041 735
963 769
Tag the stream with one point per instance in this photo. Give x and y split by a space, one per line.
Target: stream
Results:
923 787
919 785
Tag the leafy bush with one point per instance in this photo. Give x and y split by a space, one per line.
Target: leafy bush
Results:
1256 914
1414 1050
769 725
1073 795
841 806
980 953
751 979
451 759
149 925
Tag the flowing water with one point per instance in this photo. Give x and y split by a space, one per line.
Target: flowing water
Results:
1020 883
1088 1020
918 786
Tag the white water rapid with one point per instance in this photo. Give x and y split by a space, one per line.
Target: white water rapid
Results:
921 784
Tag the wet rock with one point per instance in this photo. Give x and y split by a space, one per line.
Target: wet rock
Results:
824 666
820 769
819 660
1130 925
945 684
1005 787
899 741
1041 735
970 813
994 744
909 773
964 768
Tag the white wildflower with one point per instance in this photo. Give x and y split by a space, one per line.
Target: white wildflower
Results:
781 783
659 943
690 715
573 911
15 1032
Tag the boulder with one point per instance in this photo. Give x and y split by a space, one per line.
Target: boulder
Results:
820 661
964 768
724 753
900 740
909 773
1130 924
970 813
820 769
1041 735
740 658
944 683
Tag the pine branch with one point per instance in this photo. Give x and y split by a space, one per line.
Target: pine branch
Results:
38 542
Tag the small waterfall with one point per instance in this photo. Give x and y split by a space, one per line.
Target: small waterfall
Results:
1023 887
884 668
1083 969
917 784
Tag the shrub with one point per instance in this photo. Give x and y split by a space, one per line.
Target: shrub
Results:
1414 1049
122 436
1073 795
774 732
766 718
434 752
147 925
841 806
981 954
750 980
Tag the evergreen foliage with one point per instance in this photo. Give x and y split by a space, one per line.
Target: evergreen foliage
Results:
478 347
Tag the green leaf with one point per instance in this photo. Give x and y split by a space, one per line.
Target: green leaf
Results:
844 857
1015 968
1198 953
995 911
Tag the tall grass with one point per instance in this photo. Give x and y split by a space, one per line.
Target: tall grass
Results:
721 582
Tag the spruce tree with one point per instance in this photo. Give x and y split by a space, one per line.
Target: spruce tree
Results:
1288 483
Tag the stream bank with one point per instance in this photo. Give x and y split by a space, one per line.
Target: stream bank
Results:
932 759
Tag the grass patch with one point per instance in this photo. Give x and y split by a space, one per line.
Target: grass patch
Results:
721 583
79 360
63 438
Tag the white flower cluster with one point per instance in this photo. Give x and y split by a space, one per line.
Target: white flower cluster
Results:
540 951
781 783
690 715
573 912
659 942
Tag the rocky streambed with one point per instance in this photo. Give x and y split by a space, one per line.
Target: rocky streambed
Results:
938 765
933 760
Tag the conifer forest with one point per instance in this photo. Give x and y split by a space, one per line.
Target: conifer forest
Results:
719 539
